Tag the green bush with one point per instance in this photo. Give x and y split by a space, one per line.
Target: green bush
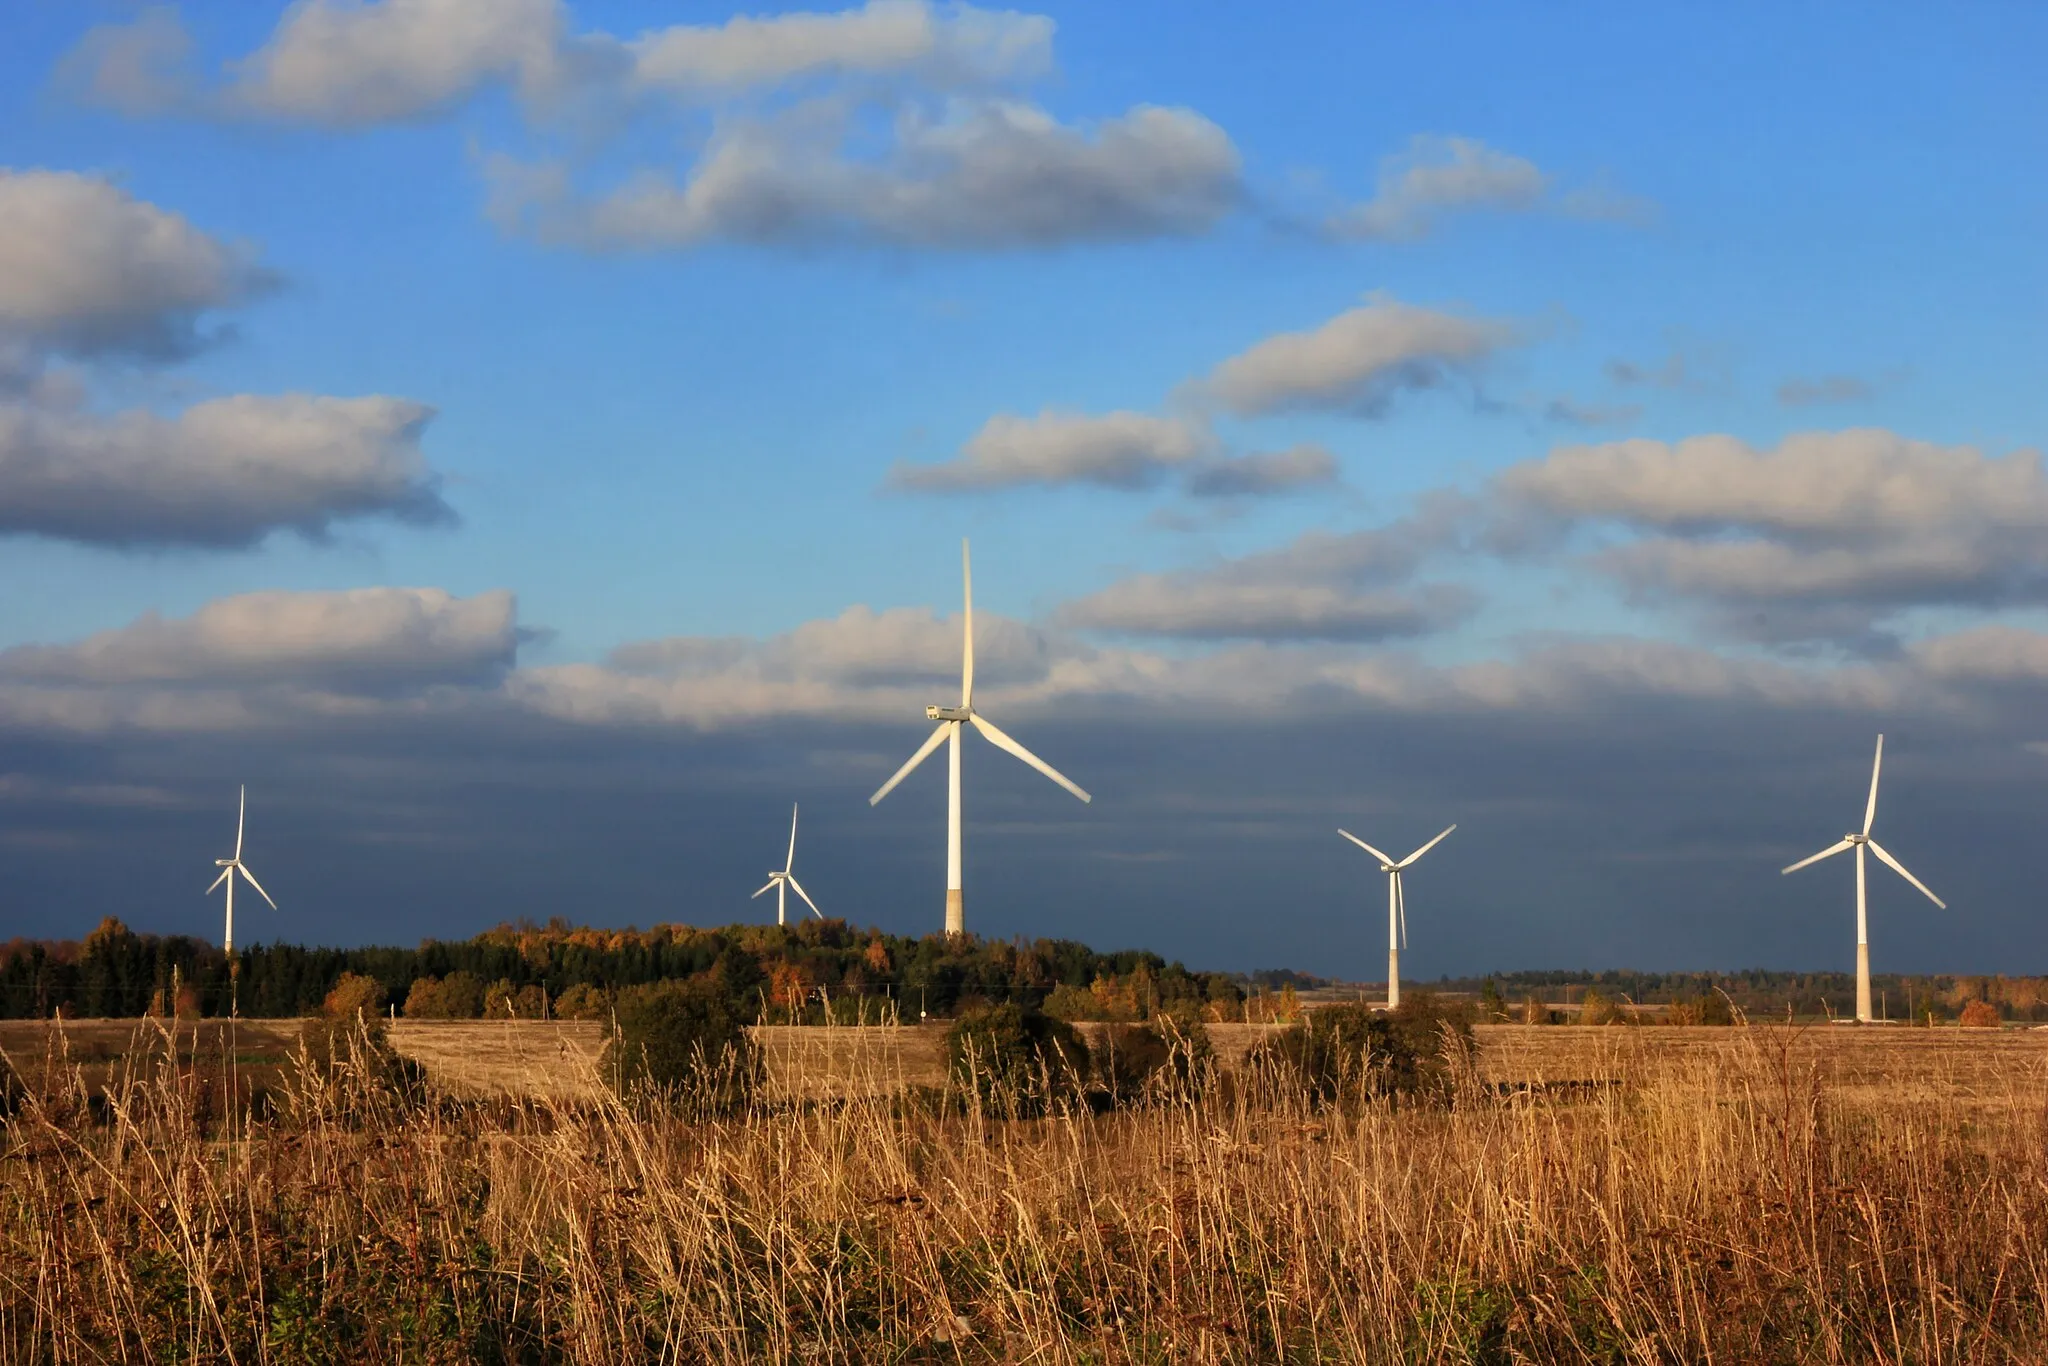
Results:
683 1040
1015 1060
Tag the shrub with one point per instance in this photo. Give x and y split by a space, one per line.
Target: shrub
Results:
354 997
1353 1051
1170 1059
1979 1015
1014 1059
683 1040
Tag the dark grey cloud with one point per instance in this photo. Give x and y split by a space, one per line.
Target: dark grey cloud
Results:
1619 803
222 474
87 269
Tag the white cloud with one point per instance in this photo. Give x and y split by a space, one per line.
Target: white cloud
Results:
1356 361
1123 450
894 123
1857 482
1319 587
984 175
138 68
1437 175
1263 473
374 638
223 473
955 44
87 268
1818 537
346 64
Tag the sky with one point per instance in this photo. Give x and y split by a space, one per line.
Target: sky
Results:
530 445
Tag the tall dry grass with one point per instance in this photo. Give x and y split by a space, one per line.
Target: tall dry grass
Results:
1728 1207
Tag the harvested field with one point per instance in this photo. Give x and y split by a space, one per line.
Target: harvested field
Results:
553 1060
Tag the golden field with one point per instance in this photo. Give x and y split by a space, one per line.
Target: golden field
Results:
1730 1195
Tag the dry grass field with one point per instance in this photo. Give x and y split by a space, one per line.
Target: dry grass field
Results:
1734 1195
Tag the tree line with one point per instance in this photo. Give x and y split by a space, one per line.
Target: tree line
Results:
809 971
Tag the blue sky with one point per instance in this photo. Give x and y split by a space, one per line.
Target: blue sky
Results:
1663 391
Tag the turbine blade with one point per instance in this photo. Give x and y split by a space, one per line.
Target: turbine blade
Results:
1002 740
1900 869
1425 848
1870 808
1363 845
771 883
967 619
923 752
241 815
225 874
257 885
790 862
798 888
1828 852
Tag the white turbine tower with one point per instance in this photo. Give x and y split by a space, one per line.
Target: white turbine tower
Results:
1397 907
1860 842
950 720
228 868
784 881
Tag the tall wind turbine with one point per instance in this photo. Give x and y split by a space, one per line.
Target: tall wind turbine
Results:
228 868
1861 842
1397 907
785 880
950 720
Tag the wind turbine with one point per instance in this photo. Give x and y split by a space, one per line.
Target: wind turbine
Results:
228 868
1860 842
950 720
785 880
1397 907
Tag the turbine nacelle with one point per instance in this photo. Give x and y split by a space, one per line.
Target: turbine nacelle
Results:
949 713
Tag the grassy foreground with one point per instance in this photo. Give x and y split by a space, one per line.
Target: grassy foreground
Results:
1731 1205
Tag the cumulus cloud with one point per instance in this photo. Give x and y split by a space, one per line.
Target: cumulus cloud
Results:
894 123
363 638
1436 176
1356 362
1262 473
138 68
955 45
1830 529
1320 587
1123 450
89 270
984 175
224 473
